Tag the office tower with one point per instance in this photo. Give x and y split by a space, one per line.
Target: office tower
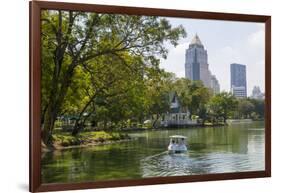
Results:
197 67
238 82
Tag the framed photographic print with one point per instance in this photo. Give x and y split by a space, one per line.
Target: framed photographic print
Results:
123 96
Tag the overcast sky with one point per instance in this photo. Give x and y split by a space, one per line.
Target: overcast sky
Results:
226 42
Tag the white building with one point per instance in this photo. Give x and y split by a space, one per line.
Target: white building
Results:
257 94
177 115
196 65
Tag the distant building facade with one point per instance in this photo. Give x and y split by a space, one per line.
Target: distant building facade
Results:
257 94
215 84
238 82
239 91
197 67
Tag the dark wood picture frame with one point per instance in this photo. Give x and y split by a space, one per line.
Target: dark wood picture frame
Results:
35 75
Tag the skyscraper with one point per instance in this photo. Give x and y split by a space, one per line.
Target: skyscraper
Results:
197 67
238 82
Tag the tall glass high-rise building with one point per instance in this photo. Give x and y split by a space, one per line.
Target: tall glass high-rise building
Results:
238 80
196 65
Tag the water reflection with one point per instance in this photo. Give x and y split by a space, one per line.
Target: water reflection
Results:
211 150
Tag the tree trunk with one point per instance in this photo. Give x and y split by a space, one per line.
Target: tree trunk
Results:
80 123
203 121
43 114
105 124
190 114
77 126
155 121
57 94
49 122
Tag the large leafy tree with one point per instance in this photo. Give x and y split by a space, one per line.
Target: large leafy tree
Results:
114 92
199 94
181 86
157 93
193 95
222 105
245 108
73 41
259 107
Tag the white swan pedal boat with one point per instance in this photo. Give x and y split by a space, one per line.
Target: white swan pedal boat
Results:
177 144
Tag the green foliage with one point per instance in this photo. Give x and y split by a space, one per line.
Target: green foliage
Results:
96 65
104 70
250 108
245 108
182 86
259 108
193 95
94 137
222 105
158 89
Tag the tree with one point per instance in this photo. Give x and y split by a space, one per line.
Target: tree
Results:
258 107
72 40
199 94
181 87
123 98
245 108
110 86
222 105
158 90
203 113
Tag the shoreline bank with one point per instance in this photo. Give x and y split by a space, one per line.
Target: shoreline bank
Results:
172 127
59 147
64 140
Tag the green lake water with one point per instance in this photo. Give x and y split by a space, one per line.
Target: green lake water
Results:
235 148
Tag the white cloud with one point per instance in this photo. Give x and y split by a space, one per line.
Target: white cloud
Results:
228 52
176 58
257 38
